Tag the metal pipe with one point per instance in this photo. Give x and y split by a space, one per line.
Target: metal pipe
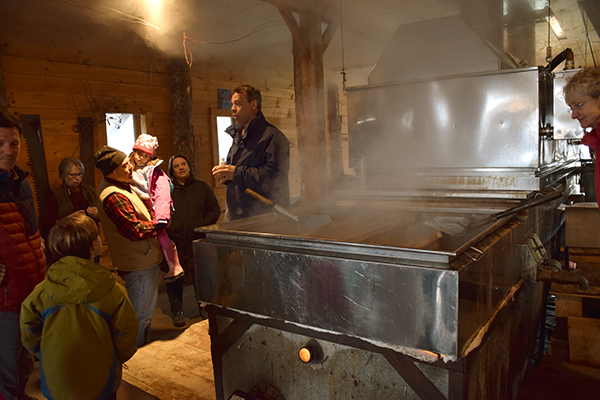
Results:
564 277
566 54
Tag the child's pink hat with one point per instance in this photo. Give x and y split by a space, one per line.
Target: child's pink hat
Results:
146 143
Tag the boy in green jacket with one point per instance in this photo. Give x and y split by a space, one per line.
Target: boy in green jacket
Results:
79 320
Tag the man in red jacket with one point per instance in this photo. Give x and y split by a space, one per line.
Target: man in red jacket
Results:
22 261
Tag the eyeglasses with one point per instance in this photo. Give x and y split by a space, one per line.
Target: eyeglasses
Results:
77 175
577 106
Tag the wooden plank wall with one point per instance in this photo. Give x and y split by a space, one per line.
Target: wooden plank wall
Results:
45 76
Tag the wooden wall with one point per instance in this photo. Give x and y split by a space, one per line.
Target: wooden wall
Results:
61 80
60 76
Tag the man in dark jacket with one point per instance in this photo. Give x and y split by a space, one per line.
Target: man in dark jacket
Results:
22 261
194 205
259 158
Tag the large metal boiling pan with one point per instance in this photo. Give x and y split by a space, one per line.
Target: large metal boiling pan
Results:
377 272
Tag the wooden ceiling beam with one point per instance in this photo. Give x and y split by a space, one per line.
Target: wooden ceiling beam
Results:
328 35
293 26
328 13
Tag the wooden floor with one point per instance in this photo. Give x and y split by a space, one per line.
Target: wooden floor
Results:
557 379
175 365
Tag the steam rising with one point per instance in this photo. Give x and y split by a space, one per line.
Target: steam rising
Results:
159 23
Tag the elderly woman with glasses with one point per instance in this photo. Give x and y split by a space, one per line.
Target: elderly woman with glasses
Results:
582 94
72 196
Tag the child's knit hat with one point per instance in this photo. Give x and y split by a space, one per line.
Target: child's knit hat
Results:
146 143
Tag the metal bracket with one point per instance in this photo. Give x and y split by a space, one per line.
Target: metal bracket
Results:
532 256
476 250
538 266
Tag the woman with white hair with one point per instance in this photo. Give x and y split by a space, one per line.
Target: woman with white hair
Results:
582 94
72 196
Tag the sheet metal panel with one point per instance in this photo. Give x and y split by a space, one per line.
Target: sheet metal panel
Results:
392 303
477 133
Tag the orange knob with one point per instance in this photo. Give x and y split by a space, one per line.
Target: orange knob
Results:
305 354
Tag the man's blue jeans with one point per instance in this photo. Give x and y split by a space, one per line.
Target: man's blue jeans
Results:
142 288
16 364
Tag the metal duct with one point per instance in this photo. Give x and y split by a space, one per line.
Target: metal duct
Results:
434 48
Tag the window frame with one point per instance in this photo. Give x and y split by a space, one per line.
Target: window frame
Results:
214 113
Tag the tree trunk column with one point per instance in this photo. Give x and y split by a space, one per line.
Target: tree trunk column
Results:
310 108
181 97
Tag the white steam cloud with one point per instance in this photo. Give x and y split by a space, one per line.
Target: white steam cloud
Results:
160 23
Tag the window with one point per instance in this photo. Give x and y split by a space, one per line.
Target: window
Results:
224 139
122 130
219 121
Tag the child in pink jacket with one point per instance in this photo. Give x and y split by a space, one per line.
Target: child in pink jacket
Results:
153 186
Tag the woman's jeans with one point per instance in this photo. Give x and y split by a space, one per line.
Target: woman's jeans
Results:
142 288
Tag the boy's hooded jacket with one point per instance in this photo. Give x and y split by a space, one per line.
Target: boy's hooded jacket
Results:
83 326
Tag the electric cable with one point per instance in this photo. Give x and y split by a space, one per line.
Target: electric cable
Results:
343 57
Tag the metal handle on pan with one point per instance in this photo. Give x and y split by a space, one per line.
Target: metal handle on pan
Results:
268 202
551 193
530 204
260 198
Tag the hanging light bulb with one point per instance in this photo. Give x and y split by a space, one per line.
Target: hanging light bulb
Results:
555 25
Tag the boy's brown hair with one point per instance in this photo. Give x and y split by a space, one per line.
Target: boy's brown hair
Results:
72 236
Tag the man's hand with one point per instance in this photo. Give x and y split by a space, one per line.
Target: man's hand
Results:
223 173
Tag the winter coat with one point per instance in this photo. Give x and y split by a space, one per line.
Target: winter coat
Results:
156 187
262 162
195 205
83 326
20 244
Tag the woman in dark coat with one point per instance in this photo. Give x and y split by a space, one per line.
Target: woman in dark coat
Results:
195 205
71 196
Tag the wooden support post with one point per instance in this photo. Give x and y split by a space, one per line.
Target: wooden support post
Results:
181 97
308 47
335 132
3 98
